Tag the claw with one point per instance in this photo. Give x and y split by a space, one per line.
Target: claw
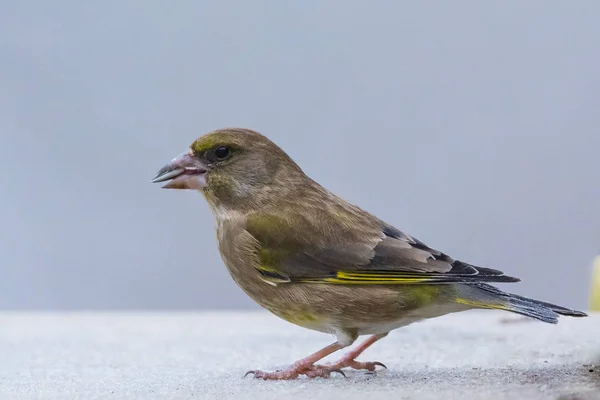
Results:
339 371
379 364
249 372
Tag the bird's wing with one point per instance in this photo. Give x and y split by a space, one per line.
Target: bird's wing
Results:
292 248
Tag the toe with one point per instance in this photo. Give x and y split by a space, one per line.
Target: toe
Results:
322 372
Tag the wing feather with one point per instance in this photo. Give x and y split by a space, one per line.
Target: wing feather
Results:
292 249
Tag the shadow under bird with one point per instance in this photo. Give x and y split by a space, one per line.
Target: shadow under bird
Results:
317 261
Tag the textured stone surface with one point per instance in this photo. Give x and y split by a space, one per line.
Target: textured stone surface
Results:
472 355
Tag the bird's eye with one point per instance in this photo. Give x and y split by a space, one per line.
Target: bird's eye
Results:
222 152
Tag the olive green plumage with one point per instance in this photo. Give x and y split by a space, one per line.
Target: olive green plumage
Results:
316 260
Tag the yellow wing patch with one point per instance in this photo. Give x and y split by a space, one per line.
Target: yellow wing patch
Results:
365 278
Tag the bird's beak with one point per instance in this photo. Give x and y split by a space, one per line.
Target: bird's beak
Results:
183 172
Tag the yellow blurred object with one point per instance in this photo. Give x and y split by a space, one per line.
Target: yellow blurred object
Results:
595 289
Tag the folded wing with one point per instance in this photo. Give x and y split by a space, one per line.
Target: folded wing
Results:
290 251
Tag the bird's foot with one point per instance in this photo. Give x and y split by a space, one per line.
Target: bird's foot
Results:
350 362
294 371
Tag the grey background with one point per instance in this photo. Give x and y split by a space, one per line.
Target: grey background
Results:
471 125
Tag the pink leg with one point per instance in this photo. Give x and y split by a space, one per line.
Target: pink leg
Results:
304 366
349 359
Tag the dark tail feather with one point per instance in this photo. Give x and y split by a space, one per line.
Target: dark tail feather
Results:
540 310
532 310
557 309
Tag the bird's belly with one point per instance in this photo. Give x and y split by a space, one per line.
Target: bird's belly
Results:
427 312
359 310
307 319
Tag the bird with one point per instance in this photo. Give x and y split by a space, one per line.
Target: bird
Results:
320 262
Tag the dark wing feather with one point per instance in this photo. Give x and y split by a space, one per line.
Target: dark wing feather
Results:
296 249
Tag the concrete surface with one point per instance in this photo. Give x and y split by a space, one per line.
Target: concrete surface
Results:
474 355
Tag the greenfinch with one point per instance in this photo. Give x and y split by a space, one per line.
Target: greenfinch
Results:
320 262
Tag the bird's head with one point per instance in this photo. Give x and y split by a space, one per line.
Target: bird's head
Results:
233 168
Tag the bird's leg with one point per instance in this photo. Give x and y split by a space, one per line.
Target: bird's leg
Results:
304 366
349 359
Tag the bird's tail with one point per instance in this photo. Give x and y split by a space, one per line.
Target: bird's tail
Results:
482 295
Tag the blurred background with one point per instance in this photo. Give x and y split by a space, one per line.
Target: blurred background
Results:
471 125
